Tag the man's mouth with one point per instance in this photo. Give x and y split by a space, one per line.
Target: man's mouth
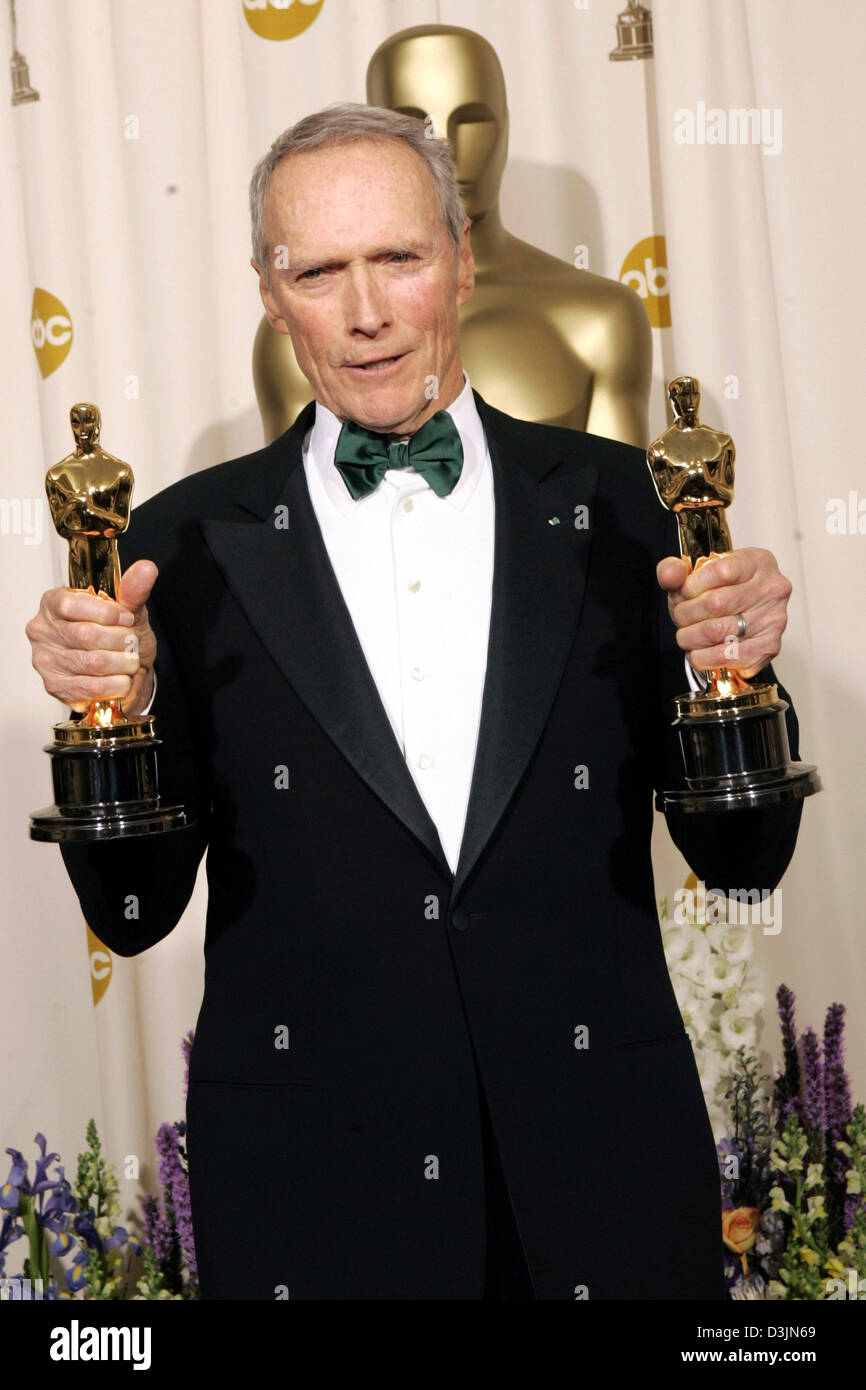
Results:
376 365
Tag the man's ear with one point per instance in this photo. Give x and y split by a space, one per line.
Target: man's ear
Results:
465 265
275 318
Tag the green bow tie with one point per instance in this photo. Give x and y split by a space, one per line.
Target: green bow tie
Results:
434 451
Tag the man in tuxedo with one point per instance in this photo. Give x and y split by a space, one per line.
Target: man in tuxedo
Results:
413 670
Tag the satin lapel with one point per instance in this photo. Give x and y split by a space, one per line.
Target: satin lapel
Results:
286 586
538 587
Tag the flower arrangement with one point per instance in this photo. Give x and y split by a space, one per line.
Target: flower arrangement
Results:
57 1219
793 1171
792 1151
60 1219
719 990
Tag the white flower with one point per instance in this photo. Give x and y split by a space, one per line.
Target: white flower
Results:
737 1029
722 974
696 1016
694 958
751 1001
736 944
717 1008
675 939
714 934
709 1068
684 991
729 1066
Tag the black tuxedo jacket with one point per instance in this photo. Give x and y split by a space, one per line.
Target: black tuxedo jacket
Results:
347 1164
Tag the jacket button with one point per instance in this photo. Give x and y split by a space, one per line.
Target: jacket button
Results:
460 919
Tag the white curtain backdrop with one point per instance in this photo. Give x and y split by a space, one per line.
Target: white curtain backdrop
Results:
125 262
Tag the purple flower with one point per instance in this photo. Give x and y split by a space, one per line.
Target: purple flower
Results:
837 1095
74 1276
837 1090
43 1163
183 1218
9 1231
157 1231
56 1210
837 1099
61 1244
811 1108
726 1150
168 1148
733 1271
84 1225
851 1205
51 1197
175 1186
17 1178
788 1084
752 1286
117 1238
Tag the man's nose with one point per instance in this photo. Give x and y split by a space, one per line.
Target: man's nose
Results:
366 303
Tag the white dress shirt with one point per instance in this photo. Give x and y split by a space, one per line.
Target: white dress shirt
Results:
416 573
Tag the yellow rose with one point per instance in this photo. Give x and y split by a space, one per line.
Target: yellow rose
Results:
740 1228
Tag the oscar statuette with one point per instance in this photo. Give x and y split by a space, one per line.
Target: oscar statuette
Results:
103 764
732 735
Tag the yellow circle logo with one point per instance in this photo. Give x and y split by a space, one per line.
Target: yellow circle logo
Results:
645 270
100 965
50 331
280 19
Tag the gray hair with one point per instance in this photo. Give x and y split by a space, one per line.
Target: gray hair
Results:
343 123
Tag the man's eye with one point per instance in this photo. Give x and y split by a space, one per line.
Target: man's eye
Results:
407 256
308 274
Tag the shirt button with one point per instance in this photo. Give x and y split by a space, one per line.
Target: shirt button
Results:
407 504
415 585
417 673
424 761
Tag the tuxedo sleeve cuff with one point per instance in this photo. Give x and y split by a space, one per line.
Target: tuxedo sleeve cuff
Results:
149 706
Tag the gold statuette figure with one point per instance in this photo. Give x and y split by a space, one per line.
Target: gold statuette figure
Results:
693 470
733 736
104 764
89 494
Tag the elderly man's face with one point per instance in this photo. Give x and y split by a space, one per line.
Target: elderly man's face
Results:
371 276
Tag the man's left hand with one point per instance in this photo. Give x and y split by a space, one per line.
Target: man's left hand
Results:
704 604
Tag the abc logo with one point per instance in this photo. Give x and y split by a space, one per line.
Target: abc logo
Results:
645 270
50 331
100 965
280 19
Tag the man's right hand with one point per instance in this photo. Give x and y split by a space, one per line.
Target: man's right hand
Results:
89 648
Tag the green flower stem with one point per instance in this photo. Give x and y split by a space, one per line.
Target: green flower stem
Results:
37 1266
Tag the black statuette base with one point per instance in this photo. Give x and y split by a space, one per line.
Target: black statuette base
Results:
736 757
105 790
